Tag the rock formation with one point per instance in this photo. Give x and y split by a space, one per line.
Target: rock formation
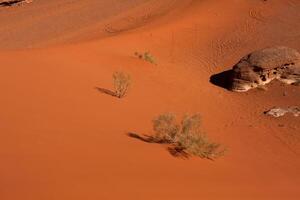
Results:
261 67
5 3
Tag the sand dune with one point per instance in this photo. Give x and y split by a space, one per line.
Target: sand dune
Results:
62 139
50 22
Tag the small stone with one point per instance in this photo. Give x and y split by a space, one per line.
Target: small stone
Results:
279 112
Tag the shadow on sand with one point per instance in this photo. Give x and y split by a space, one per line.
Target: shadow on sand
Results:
172 148
106 91
222 79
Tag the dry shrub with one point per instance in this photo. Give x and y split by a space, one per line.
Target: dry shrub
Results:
185 137
165 128
146 56
149 58
121 83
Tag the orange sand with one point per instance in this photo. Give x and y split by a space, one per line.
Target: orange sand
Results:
61 139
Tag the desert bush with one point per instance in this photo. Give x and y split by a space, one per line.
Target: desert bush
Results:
146 56
165 128
121 83
199 145
149 58
186 136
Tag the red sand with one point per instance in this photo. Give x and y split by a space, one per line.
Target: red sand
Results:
62 139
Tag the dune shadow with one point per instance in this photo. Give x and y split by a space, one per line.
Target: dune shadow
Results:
10 3
222 79
172 148
106 91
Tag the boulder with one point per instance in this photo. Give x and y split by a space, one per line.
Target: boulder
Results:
261 67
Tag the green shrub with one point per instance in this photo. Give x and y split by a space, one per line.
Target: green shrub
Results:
186 137
121 83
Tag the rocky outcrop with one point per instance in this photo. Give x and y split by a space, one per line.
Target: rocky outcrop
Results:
6 3
261 67
279 112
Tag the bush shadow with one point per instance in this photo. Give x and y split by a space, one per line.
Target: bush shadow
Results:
178 152
172 148
147 138
106 91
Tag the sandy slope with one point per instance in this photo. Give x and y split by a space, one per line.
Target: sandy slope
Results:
62 139
50 22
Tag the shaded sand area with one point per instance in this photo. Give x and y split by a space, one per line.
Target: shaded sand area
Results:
62 139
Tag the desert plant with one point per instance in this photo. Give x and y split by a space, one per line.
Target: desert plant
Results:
146 56
149 58
121 83
199 145
165 128
186 137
